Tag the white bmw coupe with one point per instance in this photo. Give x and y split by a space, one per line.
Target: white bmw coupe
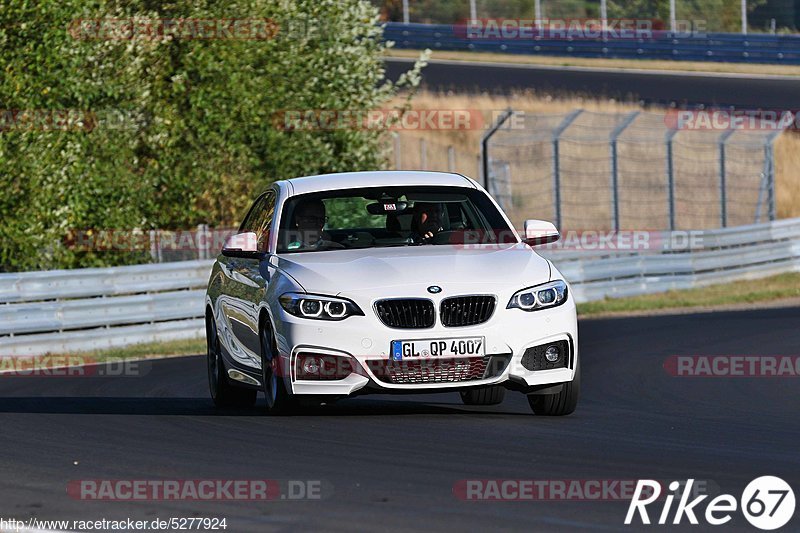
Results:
388 282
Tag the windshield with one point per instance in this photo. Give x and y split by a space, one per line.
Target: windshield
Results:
390 216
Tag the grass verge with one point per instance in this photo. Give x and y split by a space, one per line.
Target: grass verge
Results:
51 363
149 350
602 63
771 289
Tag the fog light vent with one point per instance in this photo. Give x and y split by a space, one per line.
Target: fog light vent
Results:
322 367
546 356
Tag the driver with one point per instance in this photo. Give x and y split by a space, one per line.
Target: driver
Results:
426 222
309 220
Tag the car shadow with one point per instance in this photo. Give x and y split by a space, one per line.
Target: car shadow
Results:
204 407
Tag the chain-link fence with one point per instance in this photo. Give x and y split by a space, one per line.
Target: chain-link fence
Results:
589 170
419 152
771 16
582 170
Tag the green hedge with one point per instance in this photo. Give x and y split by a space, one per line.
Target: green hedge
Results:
176 131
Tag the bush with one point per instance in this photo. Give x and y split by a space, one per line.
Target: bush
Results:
170 132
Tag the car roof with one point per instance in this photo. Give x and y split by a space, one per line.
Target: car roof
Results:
377 178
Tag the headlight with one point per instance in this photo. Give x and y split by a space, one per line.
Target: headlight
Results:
539 297
318 307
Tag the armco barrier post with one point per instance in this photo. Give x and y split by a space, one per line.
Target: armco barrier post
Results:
154 248
203 242
198 238
614 166
569 119
485 145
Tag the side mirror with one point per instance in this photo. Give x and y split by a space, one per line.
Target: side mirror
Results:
540 232
243 245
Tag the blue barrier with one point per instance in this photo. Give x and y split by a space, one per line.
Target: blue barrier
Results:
727 47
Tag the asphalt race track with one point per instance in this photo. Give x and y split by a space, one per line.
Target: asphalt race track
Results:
681 89
390 463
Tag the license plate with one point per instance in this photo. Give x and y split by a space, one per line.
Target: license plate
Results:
458 347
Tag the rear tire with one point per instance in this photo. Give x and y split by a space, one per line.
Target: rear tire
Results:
222 392
559 404
279 401
484 396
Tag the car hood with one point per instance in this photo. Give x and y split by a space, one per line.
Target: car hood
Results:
400 269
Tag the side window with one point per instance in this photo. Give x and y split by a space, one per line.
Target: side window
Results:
259 219
247 223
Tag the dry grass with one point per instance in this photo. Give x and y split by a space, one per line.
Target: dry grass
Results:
787 174
633 64
466 142
783 287
586 157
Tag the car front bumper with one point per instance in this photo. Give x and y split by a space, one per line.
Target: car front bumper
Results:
507 336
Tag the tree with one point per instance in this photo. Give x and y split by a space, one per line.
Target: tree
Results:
175 130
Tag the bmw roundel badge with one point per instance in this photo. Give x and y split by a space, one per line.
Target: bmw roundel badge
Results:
434 289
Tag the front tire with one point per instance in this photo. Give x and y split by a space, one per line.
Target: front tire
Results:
561 403
278 399
484 396
222 392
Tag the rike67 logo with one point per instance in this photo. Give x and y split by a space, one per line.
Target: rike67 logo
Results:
767 503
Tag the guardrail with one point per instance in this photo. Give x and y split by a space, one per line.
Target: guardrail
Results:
729 47
61 311
716 256
72 310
